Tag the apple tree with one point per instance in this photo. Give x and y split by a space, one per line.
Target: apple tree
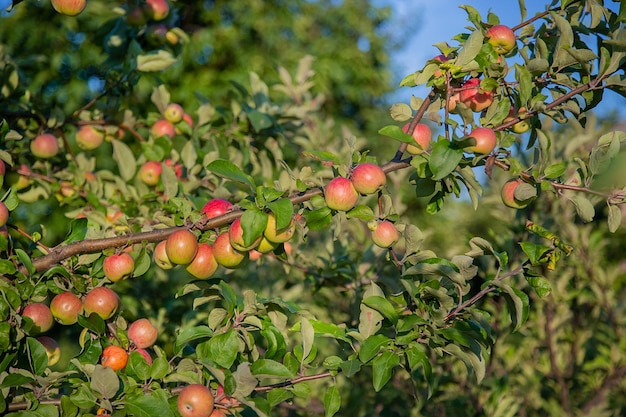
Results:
173 244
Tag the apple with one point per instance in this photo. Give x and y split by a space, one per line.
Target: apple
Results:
422 135
150 172
186 119
368 178
69 7
384 234
274 235
508 194
4 214
135 17
181 247
142 333
521 126
340 194
501 37
156 34
195 400
65 308
145 355
157 9
204 264
163 127
225 254
473 97
41 316
160 256
16 178
45 146
53 350
89 137
486 141
216 207
114 357
178 168
174 113
3 168
453 100
118 266
103 301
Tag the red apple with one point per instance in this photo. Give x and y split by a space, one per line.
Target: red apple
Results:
216 207
142 333
160 256
45 146
204 264
163 127
453 101
103 301
486 141
3 168
178 168
118 266
501 37
114 357
368 178
235 233
225 254
65 308
195 400
53 350
181 247
508 194
340 194
274 235
174 113
4 214
385 234
422 135
150 172
157 9
40 315
89 137
474 97
69 7
145 355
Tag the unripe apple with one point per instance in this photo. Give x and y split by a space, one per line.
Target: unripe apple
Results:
145 355
195 400
385 234
181 247
368 178
486 141
103 301
225 254
265 246
521 126
501 37
163 127
235 234
4 214
41 316
142 333
150 172
474 97
275 235
69 7
422 135
508 194
157 9
53 350
114 357
340 194
204 264
65 308
89 137
216 207
160 256
45 146
174 113
118 266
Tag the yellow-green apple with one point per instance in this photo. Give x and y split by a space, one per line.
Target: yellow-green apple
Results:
195 400
523 125
181 247
4 214
156 9
340 194
69 7
41 316
225 254
422 135
142 333
204 264
163 127
160 256
501 37
216 207
508 194
114 357
150 172
265 246
53 350
89 137
102 301
65 307
173 113
384 233
45 146
368 178
474 97
235 233
485 138
118 266
274 235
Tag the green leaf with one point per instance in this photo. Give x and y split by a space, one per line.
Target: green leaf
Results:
614 218
278 395
517 302
444 159
539 283
221 349
318 219
125 159
535 252
260 120
38 356
68 408
361 212
584 208
190 334
78 230
105 381
383 306
25 260
382 368
155 61
395 132
283 211
308 336
371 346
227 169
17 379
350 367
555 170
472 361
332 401
524 77
148 405
138 366
267 368
470 49
93 322
253 223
